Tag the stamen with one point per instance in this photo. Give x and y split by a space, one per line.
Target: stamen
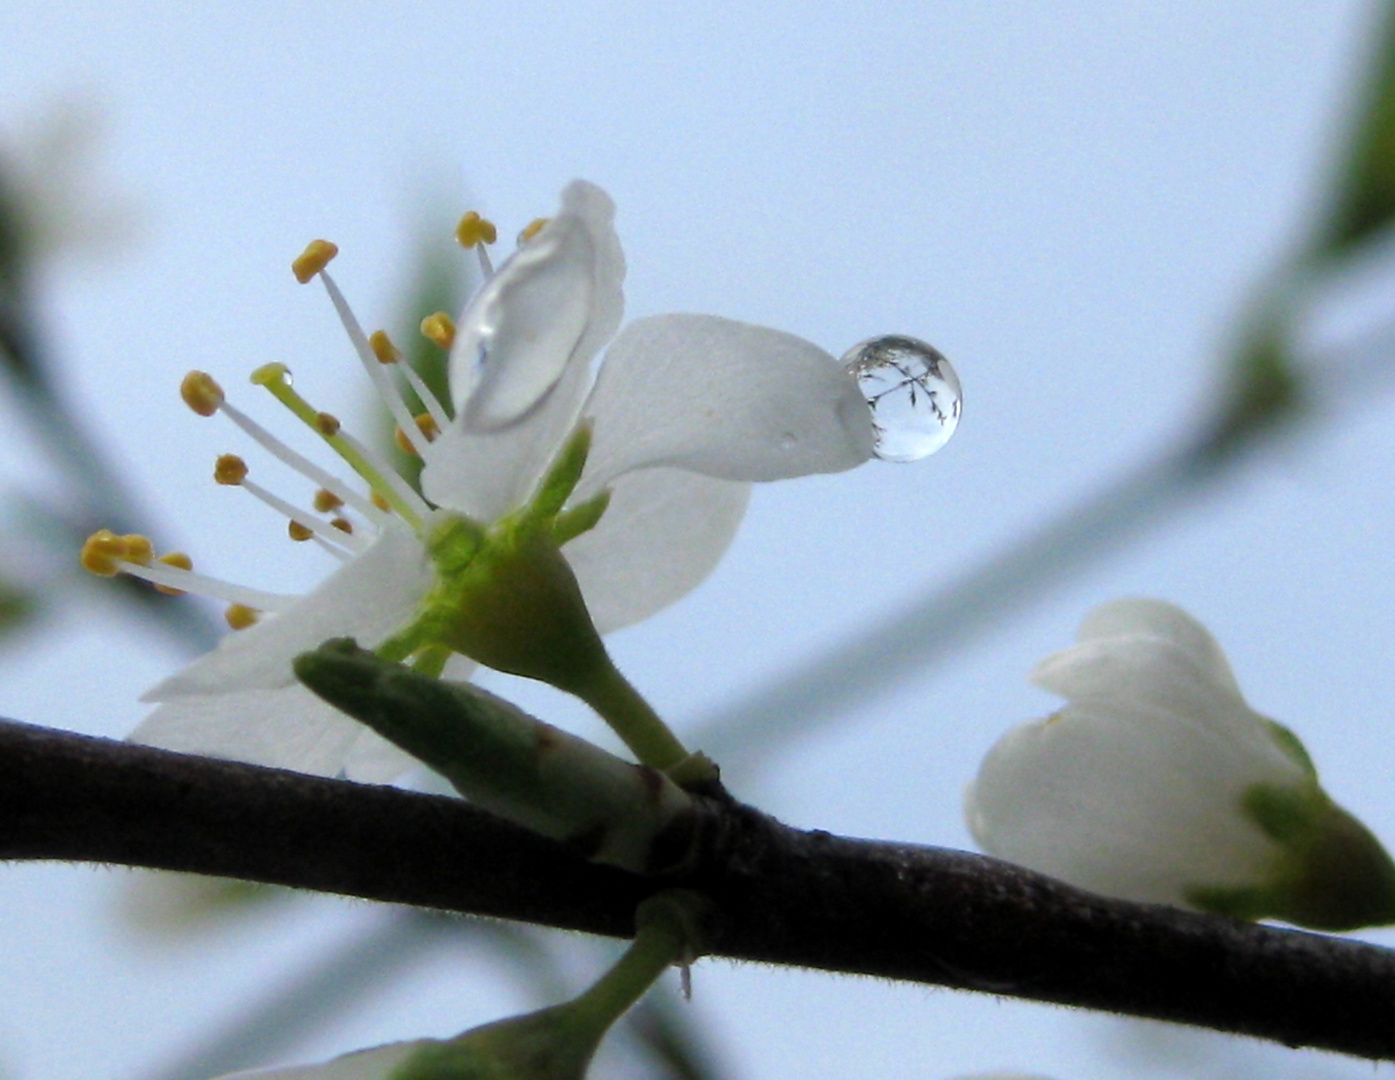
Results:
388 353
313 260
532 229
240 616
107 554
338 552
298 532
428 427
386 390
380 476
383 348
232 471
103 553
179 561
474 232
344 525
298 462
201 393
439 329
139 549
325 501
167 578
423 392
411 506
229 470
299 517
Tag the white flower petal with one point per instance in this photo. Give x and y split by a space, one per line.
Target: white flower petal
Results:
1168 622
555 302
724 398
1134 807
375 1064
662 534
1145 652
487 475
367 599
286 728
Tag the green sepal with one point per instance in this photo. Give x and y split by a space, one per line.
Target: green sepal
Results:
1330 871
562 476
582 518
1293 746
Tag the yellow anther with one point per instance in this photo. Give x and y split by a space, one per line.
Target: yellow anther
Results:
325 501
229 469
383 348
102 553
139 549
531 230
201 393
313 259
344 525
327 423
380 502
298 532
438 329
240 616
179 561
270 373
426 425
474 230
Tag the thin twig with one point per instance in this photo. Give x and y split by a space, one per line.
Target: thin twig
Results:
786 896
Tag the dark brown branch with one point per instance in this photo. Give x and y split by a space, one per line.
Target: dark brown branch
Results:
787 897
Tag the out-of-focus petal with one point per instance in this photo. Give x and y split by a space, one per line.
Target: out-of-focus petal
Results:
554 303
662 534
367 599
724 398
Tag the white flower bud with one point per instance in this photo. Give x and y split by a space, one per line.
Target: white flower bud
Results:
1157 782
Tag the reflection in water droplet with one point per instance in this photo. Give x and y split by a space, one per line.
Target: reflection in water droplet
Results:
912 391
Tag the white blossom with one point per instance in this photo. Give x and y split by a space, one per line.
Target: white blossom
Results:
687 411
1157 782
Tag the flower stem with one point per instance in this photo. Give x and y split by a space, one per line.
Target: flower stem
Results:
665 934
631 717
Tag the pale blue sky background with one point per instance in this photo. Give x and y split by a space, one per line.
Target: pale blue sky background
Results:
1070 200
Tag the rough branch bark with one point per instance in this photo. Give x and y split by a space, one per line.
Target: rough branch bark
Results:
788 897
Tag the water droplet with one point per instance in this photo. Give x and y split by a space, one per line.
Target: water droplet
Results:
912 391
